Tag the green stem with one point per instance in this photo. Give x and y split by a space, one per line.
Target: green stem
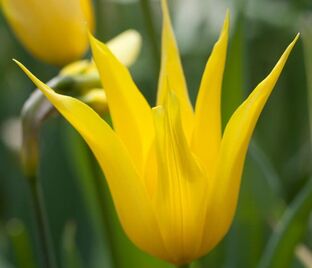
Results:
150 27
35 110
48 257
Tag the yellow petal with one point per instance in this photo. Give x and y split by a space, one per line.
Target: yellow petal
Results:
131 114
207 129
53 31
172 73
129 193
126 46
225 186
179 198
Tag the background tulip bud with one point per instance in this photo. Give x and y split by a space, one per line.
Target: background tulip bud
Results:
54 31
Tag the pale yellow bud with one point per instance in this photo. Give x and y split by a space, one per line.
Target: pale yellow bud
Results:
96 98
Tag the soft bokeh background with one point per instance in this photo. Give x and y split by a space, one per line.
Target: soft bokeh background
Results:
278 164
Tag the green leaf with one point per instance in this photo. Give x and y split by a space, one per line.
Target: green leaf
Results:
267 169
280 249
70 254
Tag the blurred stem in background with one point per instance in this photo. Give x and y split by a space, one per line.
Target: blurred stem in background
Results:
48 256
21 244
152 35
36 109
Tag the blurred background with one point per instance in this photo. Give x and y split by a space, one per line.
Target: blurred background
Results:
273 224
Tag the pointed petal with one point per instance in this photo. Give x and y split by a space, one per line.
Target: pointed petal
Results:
132 203
172 73
131 114
180 189
207 130
224 189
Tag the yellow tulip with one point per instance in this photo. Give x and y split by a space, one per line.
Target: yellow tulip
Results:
54 31
173 175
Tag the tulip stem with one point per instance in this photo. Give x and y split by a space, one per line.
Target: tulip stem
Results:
48 257
35 110
150 27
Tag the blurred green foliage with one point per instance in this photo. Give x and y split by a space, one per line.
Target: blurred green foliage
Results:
85 230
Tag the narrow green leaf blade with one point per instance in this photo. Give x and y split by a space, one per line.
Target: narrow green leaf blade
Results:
280 249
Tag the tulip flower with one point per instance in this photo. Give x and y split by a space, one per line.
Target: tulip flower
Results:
174 176
54 31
